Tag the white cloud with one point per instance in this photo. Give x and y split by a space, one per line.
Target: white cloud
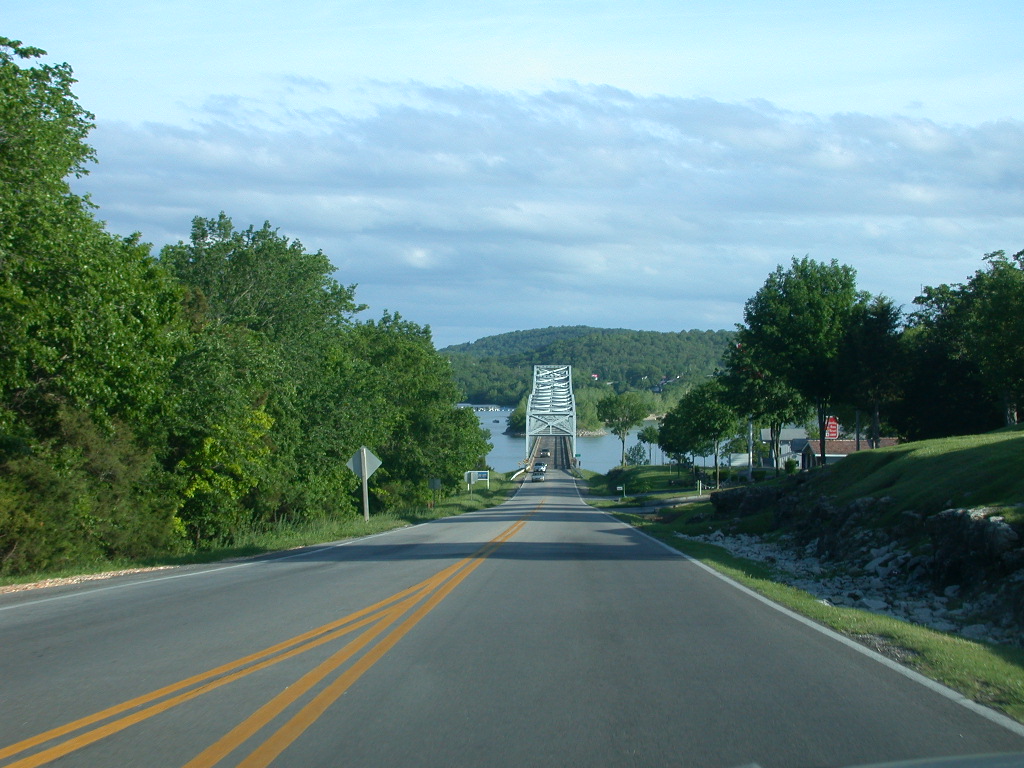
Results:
420 258
474 209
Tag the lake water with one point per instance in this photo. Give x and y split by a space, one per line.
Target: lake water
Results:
598 454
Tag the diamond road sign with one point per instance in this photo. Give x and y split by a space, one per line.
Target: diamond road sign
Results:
356 462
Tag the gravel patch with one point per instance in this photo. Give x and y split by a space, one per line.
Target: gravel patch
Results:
77 579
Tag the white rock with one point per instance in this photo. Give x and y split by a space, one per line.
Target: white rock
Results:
912 602
873 604
977 632
876 564
922 615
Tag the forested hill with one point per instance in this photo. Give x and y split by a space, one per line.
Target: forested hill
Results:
528 342
499 369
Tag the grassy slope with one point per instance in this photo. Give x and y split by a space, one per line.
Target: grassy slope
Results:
932 475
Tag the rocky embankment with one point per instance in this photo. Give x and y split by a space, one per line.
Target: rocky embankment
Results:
960 570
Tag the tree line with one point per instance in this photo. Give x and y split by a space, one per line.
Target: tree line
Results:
499 369
813 345
155 403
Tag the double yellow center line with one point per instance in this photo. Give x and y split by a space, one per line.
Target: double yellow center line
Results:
376 620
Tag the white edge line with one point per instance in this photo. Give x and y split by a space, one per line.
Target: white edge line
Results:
989 714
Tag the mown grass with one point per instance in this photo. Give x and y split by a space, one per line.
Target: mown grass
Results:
932 475
642 479
925 477
643 486
290 536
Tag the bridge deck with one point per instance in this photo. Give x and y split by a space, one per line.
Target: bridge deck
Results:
551 412
553 450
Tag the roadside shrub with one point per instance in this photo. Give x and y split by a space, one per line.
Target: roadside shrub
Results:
85 496
636 456
47 514
639 485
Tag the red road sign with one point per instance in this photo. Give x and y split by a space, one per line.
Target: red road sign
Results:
831 428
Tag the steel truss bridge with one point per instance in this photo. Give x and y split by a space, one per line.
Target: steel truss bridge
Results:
551 415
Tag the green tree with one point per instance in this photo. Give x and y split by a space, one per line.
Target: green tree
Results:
42 142
219 441
272 328
649 436
621 413
762 396
516 421
42 139
260 279
700 423
794 327
993 300
636 456
100 328
871 360
425 434
962 347
89 324
587 398
84 315
81 496
943 393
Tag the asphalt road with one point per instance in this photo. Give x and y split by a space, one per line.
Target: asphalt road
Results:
539 633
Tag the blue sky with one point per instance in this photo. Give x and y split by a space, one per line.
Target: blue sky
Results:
483 167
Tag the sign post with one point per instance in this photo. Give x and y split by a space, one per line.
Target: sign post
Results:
476 475
364 464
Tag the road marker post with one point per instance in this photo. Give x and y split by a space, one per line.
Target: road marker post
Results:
364 464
